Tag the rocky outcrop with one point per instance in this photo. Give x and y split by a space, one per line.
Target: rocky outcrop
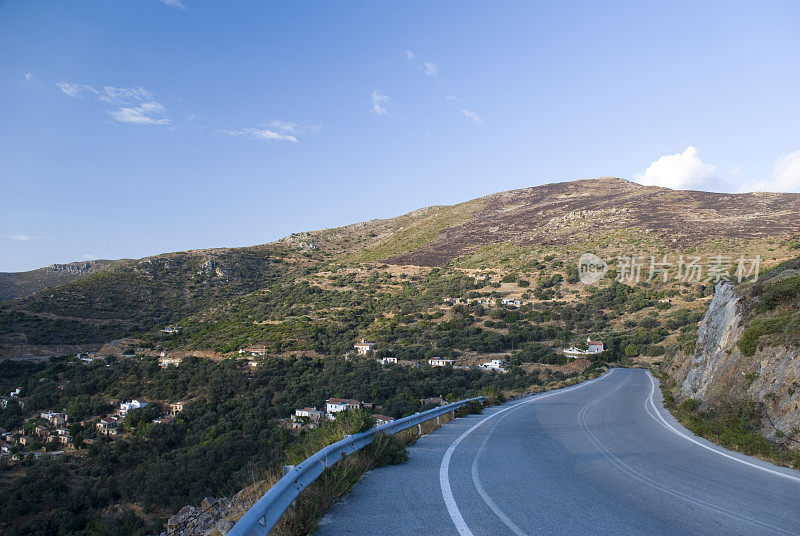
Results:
719 369
716 342
214 517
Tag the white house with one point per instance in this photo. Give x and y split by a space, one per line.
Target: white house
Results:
593 347
387 360
125 407
171 330
255 352
364 348
440 362
512 302
381 419
312 414
335 405
167 361
494 364
108 426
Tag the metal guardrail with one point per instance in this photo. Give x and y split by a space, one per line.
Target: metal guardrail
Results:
266 512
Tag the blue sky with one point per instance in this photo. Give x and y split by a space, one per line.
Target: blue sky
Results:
133 128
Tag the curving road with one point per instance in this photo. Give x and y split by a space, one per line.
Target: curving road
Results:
602 457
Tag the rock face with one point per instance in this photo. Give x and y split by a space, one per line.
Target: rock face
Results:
718 368
716 341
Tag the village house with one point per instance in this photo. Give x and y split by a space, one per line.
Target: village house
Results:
253 352
54 418
387 360
335 405
593 347
108 426
165 419
172 330
440 362
381 419
309 417
177 407
364 348
5 448
25 441
433 401
512 302
125 407
166 361
63 437
494 364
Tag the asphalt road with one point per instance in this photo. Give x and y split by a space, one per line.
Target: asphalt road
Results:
602 457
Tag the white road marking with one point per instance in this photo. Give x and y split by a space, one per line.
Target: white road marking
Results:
707 447
630 471
444 469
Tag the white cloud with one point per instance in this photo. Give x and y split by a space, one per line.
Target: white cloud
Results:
173 3
89 257
146 113
453 98
276 130
75 90
134 105
472 116
28 76
431 69
785 176
410 55
380 102
124 95
264 134
678 171
21 237
738 169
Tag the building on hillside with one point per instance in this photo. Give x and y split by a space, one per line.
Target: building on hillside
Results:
177 407
5 448
387 360
335 405
364 348
592 348
171 330
54 418
125 407
166 361
108 426
433 401
512 302
308 415
494 364
440 362
381 419
253 352
164 419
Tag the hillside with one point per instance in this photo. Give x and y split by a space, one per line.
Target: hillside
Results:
220 295
18 284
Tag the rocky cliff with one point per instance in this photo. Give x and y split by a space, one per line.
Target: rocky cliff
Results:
719 369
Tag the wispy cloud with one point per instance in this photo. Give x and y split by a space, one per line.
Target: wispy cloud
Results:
28 76
380 102
785 176
21 237
430 69
275 130
173 3
472 116
410 55
146 113
133 105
